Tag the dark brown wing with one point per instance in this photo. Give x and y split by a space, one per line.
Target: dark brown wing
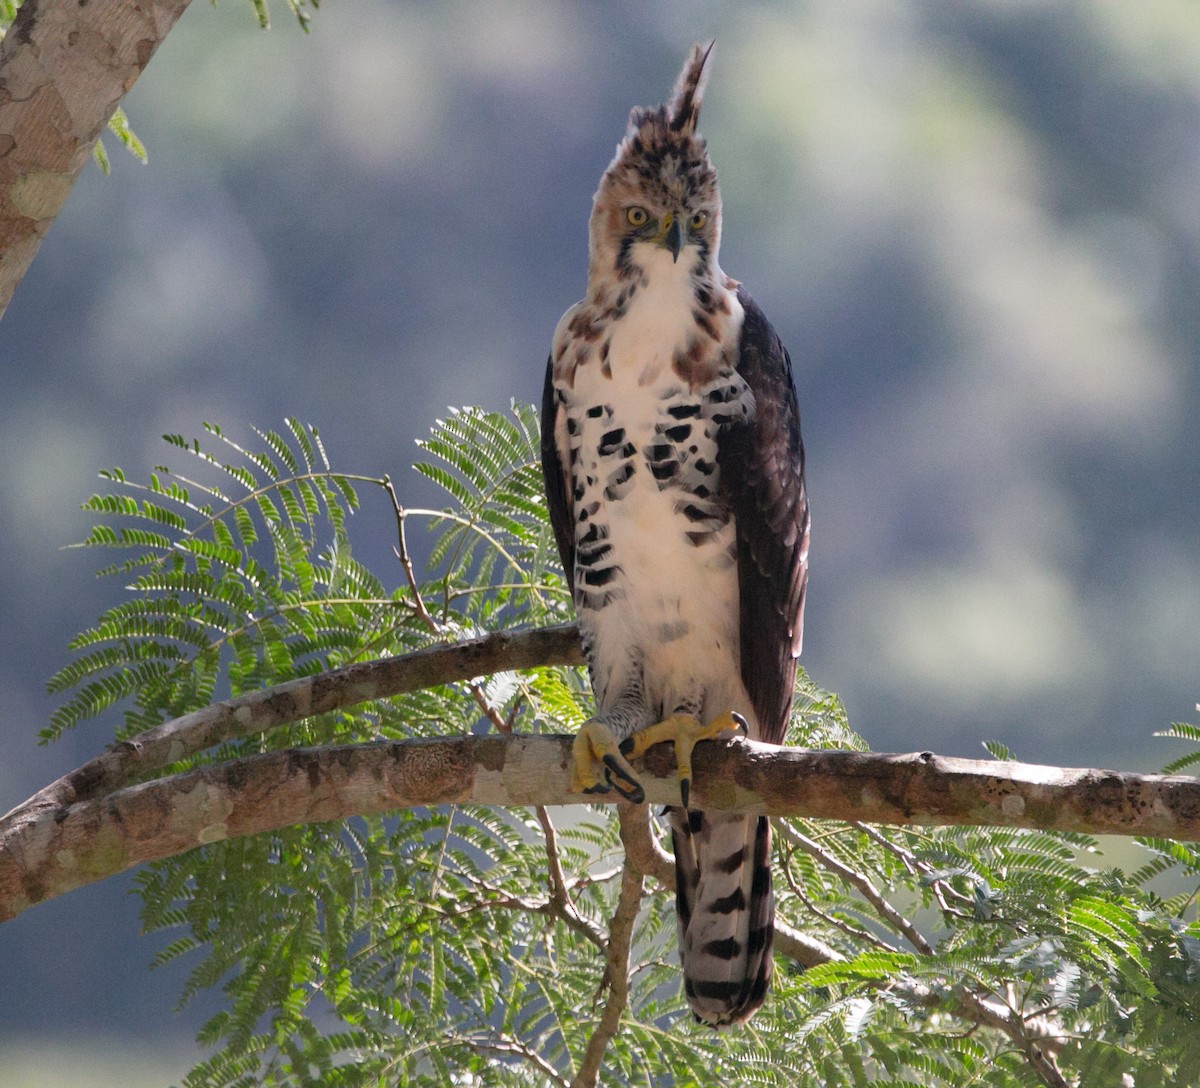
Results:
762 478
554 471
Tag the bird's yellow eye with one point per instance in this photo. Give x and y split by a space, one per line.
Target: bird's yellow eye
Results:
637 216
698 220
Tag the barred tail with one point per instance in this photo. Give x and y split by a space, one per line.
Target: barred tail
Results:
726 912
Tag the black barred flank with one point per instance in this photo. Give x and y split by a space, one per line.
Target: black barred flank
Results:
600 577
703 321
590 556
595 533
612 440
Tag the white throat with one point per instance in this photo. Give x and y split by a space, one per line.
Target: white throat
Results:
659 320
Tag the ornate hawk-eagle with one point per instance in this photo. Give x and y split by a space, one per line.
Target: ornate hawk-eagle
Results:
675 476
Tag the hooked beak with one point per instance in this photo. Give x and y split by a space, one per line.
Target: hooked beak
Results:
674 240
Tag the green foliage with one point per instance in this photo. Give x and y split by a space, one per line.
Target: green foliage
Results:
118 125
298 8
424 948
236 582
8 12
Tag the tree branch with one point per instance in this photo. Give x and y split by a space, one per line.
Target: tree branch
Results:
642 848
259 711
862 882
616 967
46 852
64 68
509 1047
92 823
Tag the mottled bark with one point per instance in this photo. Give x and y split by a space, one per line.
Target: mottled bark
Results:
65 65
259 711
46 853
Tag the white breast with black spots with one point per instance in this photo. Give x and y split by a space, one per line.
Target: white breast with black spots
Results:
656 573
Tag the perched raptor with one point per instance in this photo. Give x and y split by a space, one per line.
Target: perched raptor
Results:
675 477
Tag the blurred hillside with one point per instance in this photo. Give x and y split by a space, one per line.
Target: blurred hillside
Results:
975 225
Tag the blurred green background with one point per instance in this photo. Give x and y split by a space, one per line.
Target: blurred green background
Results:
976 225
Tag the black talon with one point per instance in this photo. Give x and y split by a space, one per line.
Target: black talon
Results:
685 788
740 722
634 796
618 777
599 787
610 761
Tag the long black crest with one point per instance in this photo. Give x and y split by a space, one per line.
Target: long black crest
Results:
684 107
680 113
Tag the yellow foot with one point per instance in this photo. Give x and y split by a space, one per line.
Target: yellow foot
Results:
686 731
596 747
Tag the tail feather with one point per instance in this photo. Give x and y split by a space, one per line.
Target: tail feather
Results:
726 912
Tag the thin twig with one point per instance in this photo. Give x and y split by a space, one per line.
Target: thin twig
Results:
862 882
431 624
500 899
943 892
616 971
554 872
851 930
560 897
508 1046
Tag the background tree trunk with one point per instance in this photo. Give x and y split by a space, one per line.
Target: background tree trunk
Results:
64 68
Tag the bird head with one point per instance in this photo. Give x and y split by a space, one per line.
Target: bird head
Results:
661 187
